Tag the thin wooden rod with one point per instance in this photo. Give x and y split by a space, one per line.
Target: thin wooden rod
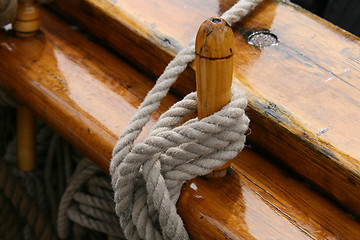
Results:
26 24
25 139
27 19
214 62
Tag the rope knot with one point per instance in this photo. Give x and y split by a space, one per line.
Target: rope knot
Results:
152 173
147 177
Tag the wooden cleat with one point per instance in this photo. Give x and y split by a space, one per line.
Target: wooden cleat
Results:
214 63
27 19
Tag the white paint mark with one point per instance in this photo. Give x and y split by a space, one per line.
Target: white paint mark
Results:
8 27
193 186
6 45
322 131
338 75
329 79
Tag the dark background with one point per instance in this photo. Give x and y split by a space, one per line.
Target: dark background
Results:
343 13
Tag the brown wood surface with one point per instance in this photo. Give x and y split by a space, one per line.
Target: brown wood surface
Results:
304 101
260 201
25 139
25 25
88 95
85 93
27 20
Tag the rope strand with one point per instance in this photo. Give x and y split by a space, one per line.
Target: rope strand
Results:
147 177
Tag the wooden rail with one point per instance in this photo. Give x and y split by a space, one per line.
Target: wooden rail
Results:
303 92
88 95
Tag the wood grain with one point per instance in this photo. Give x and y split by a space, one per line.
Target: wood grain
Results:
25 25
214 63
85 93
27 20
303 91
88 95
262 202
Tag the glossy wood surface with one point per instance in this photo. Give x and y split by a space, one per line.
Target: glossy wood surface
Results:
25 25
257 200
27 20
88 95
303 91
85 93
214 64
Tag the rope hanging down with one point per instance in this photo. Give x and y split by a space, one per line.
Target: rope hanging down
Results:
147 178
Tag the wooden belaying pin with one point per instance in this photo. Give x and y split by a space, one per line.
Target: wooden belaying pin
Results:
27 19
214 62
26 24
25 139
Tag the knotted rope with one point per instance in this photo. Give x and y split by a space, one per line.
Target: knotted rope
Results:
147 177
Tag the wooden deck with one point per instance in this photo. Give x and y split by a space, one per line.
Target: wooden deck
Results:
88 95
303 92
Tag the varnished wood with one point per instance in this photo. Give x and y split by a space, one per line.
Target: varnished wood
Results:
85 93
257 200
303 91
88 95
25 139
27 22
214 65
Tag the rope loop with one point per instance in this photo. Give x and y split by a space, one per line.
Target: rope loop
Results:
147 178
152 173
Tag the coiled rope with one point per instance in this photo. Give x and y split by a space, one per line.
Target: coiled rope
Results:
25 197
151 173
27 209
88 202
147 177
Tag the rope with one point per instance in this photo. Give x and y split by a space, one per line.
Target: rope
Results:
90 205
55 160
7 11
147 177
55 167
26 207
84 202
10 226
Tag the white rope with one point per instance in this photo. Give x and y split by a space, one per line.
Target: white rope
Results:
147 177
151 173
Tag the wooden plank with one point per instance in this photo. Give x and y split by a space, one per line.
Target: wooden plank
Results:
303 92
85 93
261 201
88 95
